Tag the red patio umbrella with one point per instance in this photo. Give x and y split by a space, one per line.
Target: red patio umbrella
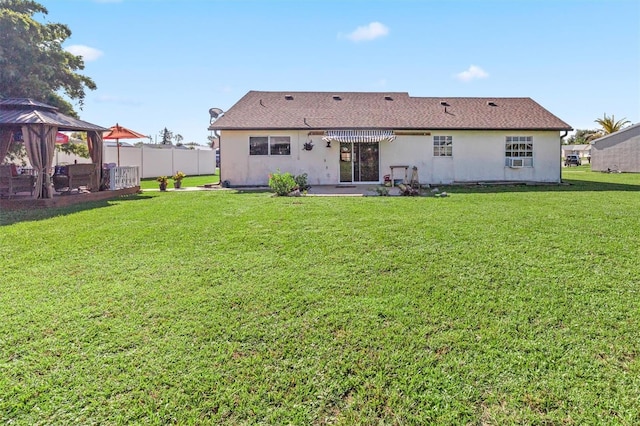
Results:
61 138
118 132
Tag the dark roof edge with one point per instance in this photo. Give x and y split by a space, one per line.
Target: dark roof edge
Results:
621 131
420 129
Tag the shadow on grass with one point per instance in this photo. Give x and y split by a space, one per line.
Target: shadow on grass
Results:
567 185
29 215
250 190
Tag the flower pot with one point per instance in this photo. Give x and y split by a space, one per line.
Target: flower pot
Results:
163 186
177 184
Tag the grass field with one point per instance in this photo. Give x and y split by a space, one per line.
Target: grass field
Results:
501 305
151 183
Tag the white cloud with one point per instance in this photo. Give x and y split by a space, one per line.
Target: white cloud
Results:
87 53
369 32
473 73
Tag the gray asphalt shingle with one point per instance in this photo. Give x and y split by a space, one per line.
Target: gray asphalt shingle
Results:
380 110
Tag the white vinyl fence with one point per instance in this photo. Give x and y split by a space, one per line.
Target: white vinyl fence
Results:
152 161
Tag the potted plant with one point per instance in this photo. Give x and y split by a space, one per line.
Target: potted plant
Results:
162 180
177 179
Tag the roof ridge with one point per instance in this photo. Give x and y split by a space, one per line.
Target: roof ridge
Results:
320 92
343 109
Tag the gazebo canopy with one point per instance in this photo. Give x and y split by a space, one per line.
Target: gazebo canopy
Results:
20 111
39 124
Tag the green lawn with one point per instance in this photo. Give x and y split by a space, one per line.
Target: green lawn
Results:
151 183
502 305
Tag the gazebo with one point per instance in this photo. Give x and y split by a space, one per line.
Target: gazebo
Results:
39 124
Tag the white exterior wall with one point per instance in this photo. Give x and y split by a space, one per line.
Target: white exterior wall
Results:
581 150
241 169
477 156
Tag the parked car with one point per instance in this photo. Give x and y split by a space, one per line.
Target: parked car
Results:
572 159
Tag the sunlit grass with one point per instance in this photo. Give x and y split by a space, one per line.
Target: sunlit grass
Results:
499 305
151 183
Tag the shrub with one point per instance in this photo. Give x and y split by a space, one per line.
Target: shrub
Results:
382 191
281 183
301 182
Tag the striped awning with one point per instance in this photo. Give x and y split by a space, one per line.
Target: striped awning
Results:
359 136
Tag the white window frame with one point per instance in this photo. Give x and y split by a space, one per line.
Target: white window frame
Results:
443 146
518 151
276 145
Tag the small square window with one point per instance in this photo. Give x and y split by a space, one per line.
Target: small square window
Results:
443 146
518 150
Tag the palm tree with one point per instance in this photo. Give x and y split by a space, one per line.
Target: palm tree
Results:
583 136
610 125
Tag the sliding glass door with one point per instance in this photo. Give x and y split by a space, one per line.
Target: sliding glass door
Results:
359 162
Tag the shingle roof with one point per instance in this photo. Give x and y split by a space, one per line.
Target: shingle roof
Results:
18 111
378 110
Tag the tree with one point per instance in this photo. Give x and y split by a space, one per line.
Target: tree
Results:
79 135
178 138
71 148
33 63
17 153
610 125
191 145
583 136
166 136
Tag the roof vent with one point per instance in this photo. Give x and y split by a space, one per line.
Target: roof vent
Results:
337 98
444 103
388 98
288 97
491 103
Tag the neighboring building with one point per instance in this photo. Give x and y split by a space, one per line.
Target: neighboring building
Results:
582 150
357 137
617 151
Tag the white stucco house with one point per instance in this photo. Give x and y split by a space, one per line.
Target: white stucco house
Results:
617 151
582 150
359 137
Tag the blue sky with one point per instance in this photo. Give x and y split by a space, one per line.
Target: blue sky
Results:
164 63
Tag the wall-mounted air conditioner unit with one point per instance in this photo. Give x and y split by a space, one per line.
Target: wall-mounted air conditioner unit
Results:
516 163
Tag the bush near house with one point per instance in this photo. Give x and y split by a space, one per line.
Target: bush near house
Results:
284 183
281 183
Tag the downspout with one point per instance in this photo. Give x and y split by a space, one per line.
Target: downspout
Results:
566 132
215 132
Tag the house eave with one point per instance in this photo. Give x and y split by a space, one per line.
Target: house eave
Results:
399 128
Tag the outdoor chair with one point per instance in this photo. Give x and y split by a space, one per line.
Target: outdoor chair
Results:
12 183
